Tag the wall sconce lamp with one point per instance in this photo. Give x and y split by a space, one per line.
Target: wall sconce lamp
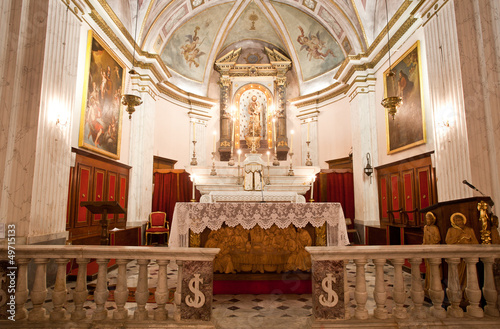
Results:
368 169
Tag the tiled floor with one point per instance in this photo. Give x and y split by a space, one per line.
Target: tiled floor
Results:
249 311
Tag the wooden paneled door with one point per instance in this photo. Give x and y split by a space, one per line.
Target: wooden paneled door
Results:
404 188
97 179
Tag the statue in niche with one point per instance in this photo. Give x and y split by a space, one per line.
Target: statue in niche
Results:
254 110
431 236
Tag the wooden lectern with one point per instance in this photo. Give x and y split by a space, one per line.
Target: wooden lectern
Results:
104 208
468 207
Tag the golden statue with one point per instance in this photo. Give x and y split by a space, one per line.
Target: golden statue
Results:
482 207
460 234
431 236
253 133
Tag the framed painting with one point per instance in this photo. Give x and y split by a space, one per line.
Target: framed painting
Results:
407 129
101 115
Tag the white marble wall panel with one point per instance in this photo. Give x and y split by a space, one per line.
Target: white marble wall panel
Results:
200 128
364 140
38 83
141 160
53 142
447 105
478 30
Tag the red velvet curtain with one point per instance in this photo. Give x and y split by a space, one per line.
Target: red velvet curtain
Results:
335 187
170 188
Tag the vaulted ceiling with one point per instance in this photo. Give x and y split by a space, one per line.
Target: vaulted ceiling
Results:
189 35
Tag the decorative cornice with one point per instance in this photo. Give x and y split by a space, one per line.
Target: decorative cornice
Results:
180 95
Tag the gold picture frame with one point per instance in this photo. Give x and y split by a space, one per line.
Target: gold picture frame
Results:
407 129
101 114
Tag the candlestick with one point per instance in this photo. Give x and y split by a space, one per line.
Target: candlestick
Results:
232 136
214 141
291 142
274 131
312 191
290 171
194 162
239 154
308 159
268 153
213 172
308 131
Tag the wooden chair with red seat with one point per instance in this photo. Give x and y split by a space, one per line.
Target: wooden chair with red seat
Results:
157 225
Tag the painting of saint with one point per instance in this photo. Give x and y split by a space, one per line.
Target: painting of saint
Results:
407 129
100 124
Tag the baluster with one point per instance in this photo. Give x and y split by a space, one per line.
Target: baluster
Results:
347 294
121 292
142 292
436 291
178 292
417 291
379 294
360 294
489 290
59 293
161 294
101 291
81 292
472 290
39 291
454 291
22 288
398 292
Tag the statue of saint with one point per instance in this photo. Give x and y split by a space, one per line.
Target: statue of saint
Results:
254 126
431 236
460 234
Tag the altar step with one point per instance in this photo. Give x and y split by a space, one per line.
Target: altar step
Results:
263 283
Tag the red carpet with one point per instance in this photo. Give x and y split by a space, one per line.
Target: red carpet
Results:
234 287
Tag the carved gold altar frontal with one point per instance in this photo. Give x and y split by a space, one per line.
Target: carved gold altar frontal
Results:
258 250
196 217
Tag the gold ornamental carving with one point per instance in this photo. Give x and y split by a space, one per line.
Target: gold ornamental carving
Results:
194 239
225 144
321 235
482 207
258 250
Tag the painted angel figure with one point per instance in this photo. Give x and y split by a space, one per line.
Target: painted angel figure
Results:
190 50
313 45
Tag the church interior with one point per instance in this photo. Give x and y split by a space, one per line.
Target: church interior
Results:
243 163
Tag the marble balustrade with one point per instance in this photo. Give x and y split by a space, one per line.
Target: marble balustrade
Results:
192 298
331 296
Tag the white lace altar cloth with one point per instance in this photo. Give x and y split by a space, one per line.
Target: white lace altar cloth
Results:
198 216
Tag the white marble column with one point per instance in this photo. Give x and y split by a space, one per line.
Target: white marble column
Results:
463 57
40 41
141 157
364 140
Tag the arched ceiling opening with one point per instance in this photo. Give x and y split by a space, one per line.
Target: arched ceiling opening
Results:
189 35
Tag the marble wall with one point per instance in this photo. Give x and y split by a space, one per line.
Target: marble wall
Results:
38 66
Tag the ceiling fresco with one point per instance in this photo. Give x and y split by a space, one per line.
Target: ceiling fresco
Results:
317 50
189 35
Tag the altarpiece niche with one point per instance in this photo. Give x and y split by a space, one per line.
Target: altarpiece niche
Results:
253 105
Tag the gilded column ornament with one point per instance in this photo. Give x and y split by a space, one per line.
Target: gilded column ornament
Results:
225 118
281 138
321 235
194 239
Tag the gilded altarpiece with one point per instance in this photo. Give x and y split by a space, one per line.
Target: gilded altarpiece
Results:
253 104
